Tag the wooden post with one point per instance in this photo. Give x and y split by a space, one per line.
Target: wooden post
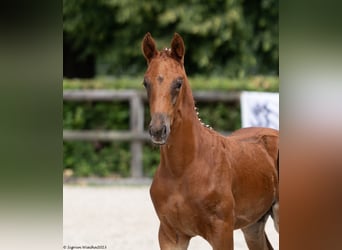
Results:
137 126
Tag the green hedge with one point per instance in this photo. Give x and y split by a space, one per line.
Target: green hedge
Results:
106 159
257 83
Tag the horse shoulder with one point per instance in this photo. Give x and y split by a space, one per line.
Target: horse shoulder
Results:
265 138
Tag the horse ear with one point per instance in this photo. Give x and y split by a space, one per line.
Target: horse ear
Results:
177 48
148 46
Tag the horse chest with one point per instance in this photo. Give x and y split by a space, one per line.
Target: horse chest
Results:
174 209
184 210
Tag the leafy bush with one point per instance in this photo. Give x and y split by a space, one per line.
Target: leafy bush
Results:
151 157
97 158
96 115
220 116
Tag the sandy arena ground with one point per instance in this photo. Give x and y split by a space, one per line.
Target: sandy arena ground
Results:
121 217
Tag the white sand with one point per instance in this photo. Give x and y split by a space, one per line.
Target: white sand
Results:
121 217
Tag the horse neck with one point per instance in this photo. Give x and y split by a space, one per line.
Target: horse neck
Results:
182 142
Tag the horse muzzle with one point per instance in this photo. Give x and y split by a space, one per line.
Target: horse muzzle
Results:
159 128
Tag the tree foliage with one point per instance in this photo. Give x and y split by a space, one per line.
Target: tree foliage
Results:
226 37
88 25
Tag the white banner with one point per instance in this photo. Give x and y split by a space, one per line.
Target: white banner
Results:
260 109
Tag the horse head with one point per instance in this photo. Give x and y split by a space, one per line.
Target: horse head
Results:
164 82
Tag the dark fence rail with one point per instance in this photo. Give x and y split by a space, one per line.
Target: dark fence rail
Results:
136 135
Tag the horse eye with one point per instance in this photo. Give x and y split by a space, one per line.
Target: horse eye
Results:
178 84
145 84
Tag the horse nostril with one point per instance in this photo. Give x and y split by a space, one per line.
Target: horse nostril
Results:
150 129
163 130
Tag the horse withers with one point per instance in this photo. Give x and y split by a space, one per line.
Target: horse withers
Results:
206 184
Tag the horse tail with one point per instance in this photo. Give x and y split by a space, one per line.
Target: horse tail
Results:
275 206
277 166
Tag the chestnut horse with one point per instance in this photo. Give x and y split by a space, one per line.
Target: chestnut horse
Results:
206 184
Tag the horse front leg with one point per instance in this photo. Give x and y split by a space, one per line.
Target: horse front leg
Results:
171 240
255 235
220 236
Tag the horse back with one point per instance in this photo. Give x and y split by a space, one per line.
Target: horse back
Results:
266 137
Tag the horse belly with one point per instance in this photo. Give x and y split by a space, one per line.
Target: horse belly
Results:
254 192
251 211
